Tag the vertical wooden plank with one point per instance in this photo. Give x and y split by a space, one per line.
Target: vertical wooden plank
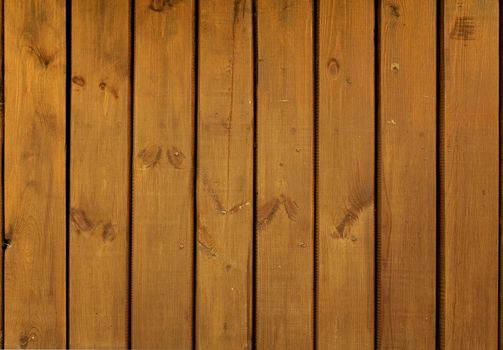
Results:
470 176
285 181
35 70
346 175
99 174
407 175
225 176
163 175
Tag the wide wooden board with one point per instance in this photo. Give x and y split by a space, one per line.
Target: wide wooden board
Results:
470 175
163 175
100 174
225 176
406 279
346 175
35 126
285 181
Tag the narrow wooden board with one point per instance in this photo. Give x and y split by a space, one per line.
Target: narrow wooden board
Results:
285 181
2 120
100 174
470 177
346 177
35 227
225 176
407 175
163 195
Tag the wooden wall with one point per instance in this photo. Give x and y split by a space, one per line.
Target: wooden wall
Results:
250 174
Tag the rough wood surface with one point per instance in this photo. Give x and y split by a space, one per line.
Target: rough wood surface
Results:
35 228
470 177
225 176
163 174
407 175
99 174
285 181
345 186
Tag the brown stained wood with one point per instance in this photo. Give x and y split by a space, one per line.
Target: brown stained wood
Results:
470 162
163 166
346 175
285 167
407 175
35 68
99 174
225 176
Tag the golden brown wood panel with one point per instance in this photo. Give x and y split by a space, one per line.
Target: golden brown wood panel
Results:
99 174
345 186
163 234
407 175
225 176
285 186
35 68
470 178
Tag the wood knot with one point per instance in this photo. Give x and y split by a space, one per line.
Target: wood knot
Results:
150 156
175 157
160 5
464 29
333 67
80 220
395 10
78 80
109 233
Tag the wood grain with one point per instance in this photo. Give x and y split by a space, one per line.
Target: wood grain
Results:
285 167
345 186
99 174
470 177
35 228
163 196
407 175
225 176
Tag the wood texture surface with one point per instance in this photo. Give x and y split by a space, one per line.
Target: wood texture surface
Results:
35 228
163 193
407 175
345 186
251 174
285 167
470 152
100 175
225 176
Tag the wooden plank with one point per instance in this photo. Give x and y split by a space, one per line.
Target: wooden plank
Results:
225 176
163 234
285 181
470 177
99 174
35 226
407 175
345 187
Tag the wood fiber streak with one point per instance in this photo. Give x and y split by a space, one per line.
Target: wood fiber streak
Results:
35 228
